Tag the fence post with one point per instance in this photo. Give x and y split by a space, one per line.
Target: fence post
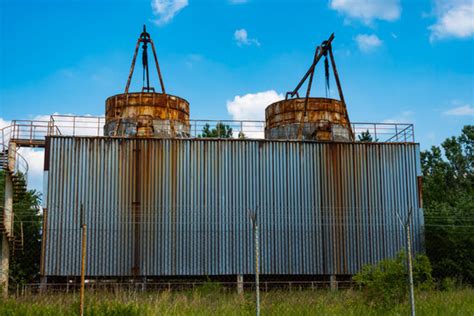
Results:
406 228
410 266
257 268
83 262
253 217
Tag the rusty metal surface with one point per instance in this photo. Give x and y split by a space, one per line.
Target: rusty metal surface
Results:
180 206
283 119
146 114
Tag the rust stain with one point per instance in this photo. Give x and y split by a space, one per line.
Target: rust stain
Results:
322 113
145 109
420 191
136 209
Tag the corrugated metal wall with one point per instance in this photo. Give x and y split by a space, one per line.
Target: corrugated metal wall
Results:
180 207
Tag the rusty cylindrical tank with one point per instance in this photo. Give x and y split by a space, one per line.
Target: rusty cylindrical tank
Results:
326 120
146 114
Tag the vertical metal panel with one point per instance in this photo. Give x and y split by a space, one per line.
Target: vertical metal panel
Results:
323 208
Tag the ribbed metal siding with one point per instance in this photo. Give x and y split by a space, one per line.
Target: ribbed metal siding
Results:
323 208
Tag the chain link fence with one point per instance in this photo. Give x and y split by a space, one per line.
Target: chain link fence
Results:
224 295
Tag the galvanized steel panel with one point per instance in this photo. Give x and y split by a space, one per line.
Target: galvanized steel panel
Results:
180 207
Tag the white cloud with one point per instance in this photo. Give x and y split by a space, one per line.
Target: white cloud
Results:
241 38
252 106
4 123
35 160
368 10
454 19
367 43
465 110
165 10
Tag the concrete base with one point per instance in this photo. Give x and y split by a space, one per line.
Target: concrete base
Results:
44 282
333 282
4 264
240 284
8 205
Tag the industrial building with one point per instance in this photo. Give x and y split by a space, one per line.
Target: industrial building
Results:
160 202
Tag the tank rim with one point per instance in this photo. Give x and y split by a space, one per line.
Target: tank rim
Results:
147 93
310 98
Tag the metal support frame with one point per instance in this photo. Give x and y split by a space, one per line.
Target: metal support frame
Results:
145 39
324 49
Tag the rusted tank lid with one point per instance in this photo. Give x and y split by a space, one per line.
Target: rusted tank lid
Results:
325 120
298 111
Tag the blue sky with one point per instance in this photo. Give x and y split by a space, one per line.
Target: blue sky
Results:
405 61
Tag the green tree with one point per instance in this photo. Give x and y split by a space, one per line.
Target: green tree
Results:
365 137
25 259
26 252
220 131
448 195
242 135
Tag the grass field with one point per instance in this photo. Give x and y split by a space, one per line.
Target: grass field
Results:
212 302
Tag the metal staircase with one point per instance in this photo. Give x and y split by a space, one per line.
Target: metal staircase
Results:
14 172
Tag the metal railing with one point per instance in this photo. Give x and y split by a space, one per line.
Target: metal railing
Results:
385 132
78 125
235 128
20 165
31 131
28 131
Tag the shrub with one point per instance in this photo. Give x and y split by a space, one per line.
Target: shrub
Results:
209 288
449 284
385 283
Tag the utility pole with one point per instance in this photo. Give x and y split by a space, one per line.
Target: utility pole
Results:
253 217
406 227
